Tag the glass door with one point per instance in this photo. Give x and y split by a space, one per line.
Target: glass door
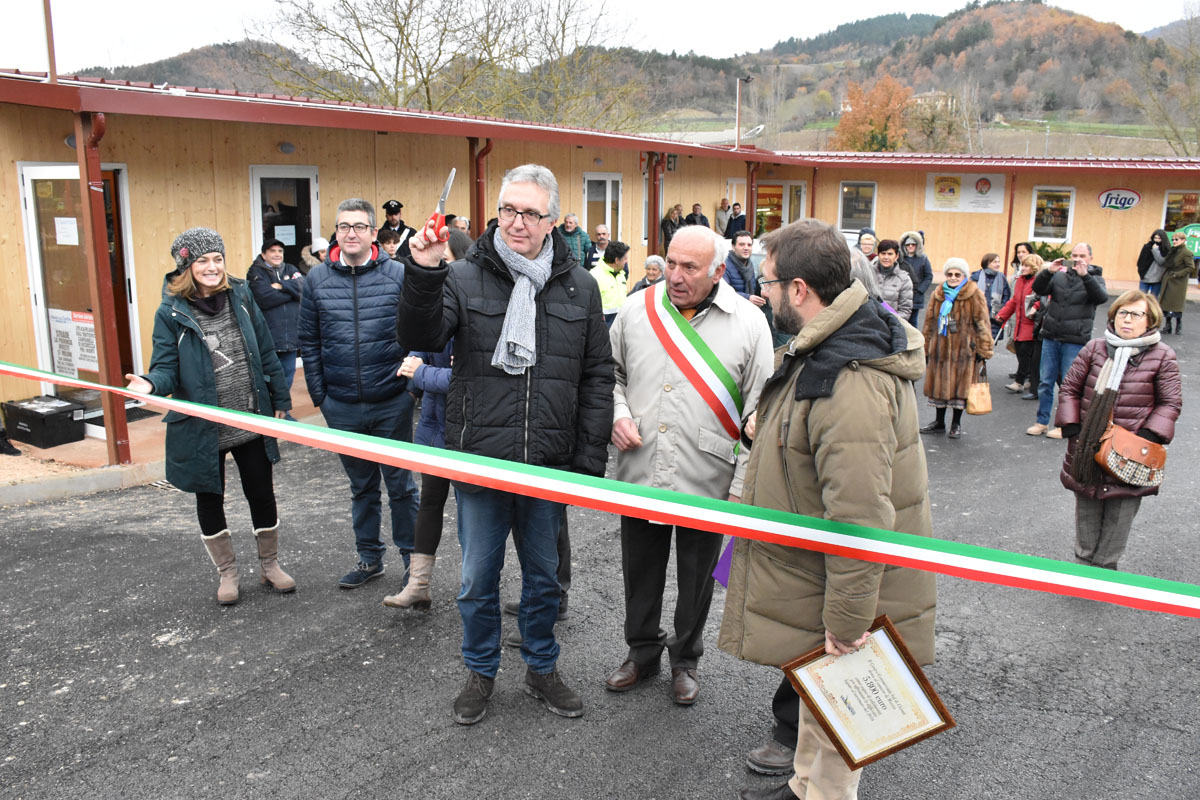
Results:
602 202
284 203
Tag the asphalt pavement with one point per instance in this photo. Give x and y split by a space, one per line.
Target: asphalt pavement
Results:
124 679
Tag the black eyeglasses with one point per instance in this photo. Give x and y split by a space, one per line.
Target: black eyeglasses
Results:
530 217
359 227
1127 312
764 284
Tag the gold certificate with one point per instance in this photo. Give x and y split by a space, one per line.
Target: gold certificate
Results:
873 701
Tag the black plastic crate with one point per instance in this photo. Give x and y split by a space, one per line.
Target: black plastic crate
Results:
44 421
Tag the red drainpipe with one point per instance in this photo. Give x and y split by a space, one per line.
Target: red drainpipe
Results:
752 197
657 164
89 130
1012 198
479 180
812 196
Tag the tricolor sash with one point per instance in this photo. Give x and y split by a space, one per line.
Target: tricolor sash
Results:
695 359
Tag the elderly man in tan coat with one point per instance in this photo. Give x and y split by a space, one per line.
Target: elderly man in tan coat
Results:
691 356
837 438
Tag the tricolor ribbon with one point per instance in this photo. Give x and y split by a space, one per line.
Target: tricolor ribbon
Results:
664 506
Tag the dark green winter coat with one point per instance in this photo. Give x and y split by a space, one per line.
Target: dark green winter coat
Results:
181 366
1179 267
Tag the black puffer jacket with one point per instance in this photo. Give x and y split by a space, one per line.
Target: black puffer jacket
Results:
348 330
557 414
1073 301
281 307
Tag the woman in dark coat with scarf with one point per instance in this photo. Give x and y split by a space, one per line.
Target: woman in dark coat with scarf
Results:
1179 267
1132 378
957 335
1150 262
212 346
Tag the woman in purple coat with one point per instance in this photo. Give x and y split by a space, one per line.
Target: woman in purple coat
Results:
1132 378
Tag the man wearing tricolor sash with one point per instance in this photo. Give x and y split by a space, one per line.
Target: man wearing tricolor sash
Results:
691 356
836 437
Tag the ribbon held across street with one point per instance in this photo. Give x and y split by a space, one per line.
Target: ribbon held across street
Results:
720 516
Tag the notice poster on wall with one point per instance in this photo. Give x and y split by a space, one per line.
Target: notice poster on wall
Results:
66 231
970 192
73 342
286 234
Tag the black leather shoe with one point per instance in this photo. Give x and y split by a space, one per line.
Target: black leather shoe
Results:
684 687
955 432
777 793
1029 396
934 427
629 675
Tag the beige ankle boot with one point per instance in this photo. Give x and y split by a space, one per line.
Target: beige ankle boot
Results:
220 550
416 594
268 552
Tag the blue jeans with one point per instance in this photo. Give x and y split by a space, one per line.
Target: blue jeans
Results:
390 419
287 360
1056 360
485 518
1150 288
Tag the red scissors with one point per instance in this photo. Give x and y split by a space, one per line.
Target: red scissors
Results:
439 217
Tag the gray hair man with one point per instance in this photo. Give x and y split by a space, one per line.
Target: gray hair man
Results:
678 342
532 382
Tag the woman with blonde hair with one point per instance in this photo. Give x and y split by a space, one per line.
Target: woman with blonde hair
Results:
1022 304
212 346
1127 378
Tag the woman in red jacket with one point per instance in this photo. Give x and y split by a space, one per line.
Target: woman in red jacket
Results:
1132 379
1023 334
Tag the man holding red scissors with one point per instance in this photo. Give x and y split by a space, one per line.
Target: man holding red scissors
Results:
532 382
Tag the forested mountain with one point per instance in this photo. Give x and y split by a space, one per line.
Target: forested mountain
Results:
233 65
881 31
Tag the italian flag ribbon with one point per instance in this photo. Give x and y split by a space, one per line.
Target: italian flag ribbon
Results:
664 506
695 359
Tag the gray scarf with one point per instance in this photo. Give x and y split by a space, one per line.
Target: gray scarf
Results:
517 347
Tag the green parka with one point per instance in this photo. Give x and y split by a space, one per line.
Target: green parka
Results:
1179 267
181 366
837 438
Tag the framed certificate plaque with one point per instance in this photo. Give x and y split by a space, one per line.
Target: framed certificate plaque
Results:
872 702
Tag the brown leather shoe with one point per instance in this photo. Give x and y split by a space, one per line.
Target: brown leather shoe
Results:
684 687
628 675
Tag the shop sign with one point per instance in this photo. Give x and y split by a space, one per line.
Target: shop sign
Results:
1119 199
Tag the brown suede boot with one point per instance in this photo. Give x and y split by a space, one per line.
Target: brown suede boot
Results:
220 550
268 552
416 594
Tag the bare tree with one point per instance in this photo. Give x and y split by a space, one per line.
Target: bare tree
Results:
539 60
1166 87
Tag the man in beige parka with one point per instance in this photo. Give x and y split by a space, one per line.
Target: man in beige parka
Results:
837 438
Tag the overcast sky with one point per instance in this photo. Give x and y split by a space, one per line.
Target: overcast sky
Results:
121 32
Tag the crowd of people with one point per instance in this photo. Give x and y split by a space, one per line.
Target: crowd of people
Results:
527 344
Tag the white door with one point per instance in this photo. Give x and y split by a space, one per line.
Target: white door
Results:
284 205
59 287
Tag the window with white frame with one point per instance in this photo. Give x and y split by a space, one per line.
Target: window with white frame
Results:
857 207
1052 213
601 202
1181 208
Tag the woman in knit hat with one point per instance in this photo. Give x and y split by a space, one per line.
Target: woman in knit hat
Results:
212 346
958 334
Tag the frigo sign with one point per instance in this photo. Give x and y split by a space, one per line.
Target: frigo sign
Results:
1119 199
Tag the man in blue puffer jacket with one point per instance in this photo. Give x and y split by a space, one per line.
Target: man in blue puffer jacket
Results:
351 366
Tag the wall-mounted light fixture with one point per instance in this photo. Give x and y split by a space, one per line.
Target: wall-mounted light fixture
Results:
70 141
598 161
287 148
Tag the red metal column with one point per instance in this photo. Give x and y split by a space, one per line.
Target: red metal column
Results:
751 208
89 130
656 163
479 216
1012 198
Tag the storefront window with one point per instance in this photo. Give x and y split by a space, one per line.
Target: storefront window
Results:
1052 213
858 206
1182 208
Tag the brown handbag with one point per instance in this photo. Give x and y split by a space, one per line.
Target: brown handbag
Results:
979 393
1131 459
